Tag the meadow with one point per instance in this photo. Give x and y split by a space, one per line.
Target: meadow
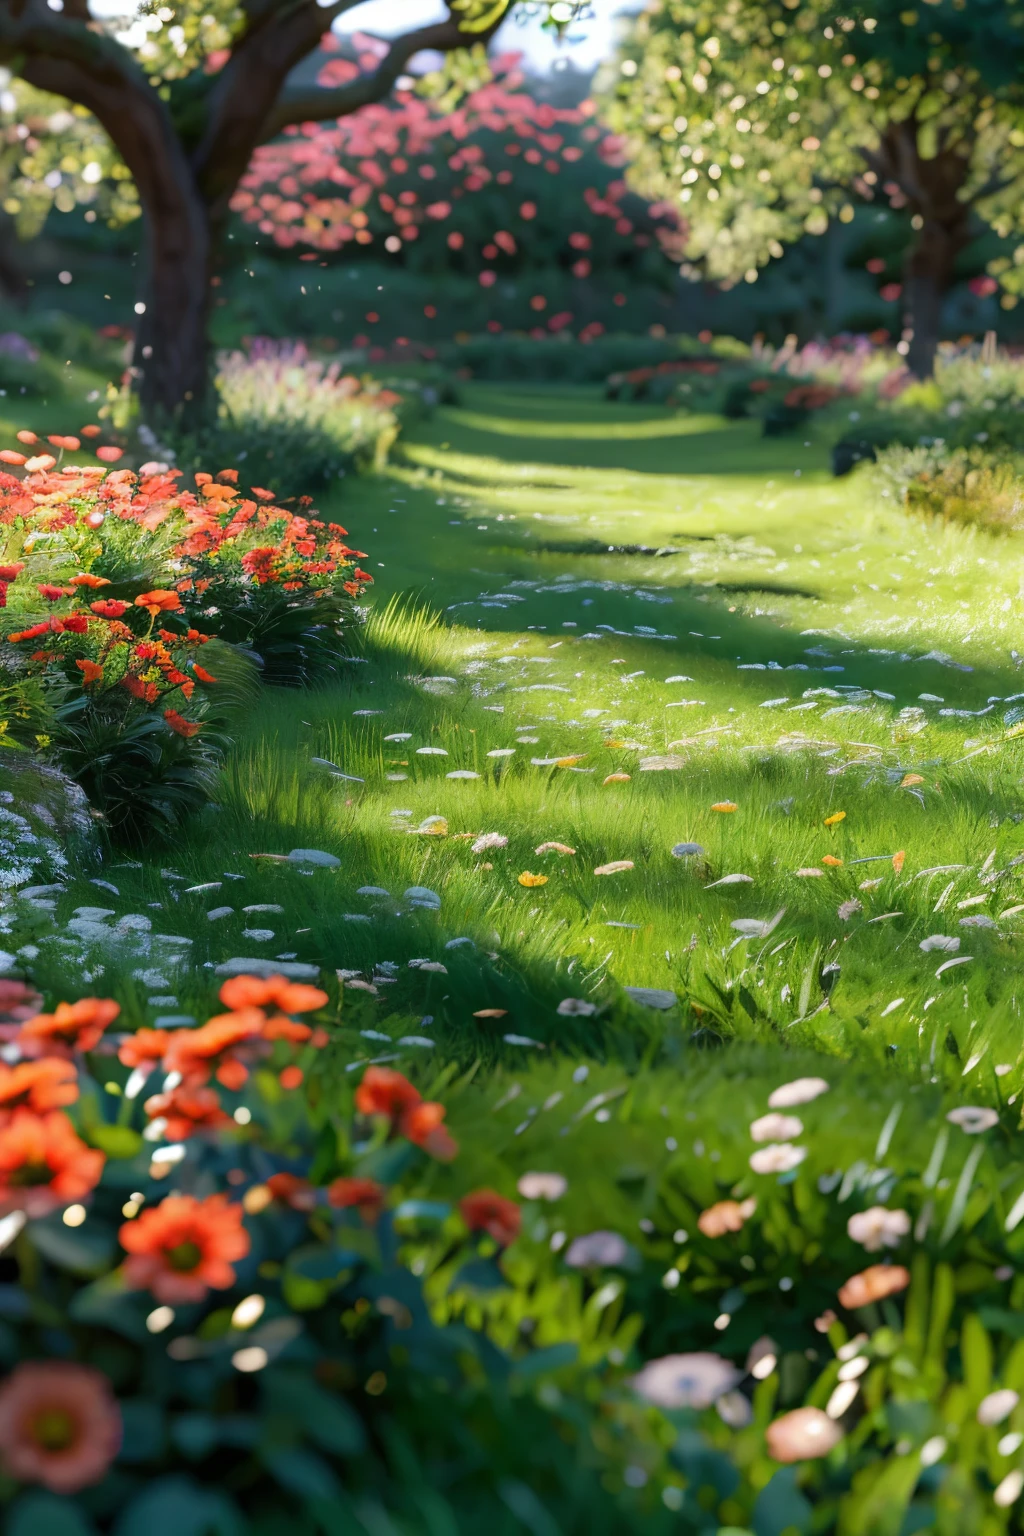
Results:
667 775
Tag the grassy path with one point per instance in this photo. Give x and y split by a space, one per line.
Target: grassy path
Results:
645 617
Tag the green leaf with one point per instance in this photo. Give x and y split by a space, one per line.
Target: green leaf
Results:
177 1506
526 1506
118 1141
541 1361
325 1418
85 1250
303 1473
322 1263
479 1275
44 1514
781 1507
106 1304
144 1432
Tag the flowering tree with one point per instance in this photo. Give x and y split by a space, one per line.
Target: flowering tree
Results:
500 181
185 97
766 117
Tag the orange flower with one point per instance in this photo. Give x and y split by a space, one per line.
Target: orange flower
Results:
184 1247
37 1085
25 436
293 1191
202 674
43 1165
282 1028
109 608
725 1216
144 1048
60 1425
386 1092
276 991
365 1194
874 1283
421 1124
187 1110
109 454
92 430
486 1211
726 806
291 1077
8 456
88 580
158 601
898 860
192 1051
831 860
71 1027
70 444
91 671
180 726
835 818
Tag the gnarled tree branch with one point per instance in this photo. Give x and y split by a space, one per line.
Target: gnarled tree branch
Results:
319 103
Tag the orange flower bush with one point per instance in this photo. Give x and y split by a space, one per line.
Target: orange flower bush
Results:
77 623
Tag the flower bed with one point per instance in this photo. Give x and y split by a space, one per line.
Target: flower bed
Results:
121 595
241 1270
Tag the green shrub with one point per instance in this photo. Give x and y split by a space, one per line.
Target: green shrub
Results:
960 485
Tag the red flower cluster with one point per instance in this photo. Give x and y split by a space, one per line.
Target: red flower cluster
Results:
386 1092
398 171
224 1049
216 538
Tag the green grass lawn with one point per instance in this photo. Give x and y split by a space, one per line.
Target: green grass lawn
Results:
569 592
668 770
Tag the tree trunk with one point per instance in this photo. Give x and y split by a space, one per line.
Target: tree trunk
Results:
928 276
171 348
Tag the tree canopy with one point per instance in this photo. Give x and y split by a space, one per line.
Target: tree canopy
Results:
185 94
768 118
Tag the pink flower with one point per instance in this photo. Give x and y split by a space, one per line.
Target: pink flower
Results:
802 1435
60 1425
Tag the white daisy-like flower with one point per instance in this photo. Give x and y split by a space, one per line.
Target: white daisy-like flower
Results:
488 840
800 1091
776 1128
542 1186
777 1157
597 1248
973 1118
686 1381
878 1228
575 1007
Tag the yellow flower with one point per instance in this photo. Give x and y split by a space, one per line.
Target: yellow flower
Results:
725 806
617 778
835 818
531 880
42 741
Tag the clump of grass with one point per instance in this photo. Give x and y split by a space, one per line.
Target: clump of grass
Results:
960 485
